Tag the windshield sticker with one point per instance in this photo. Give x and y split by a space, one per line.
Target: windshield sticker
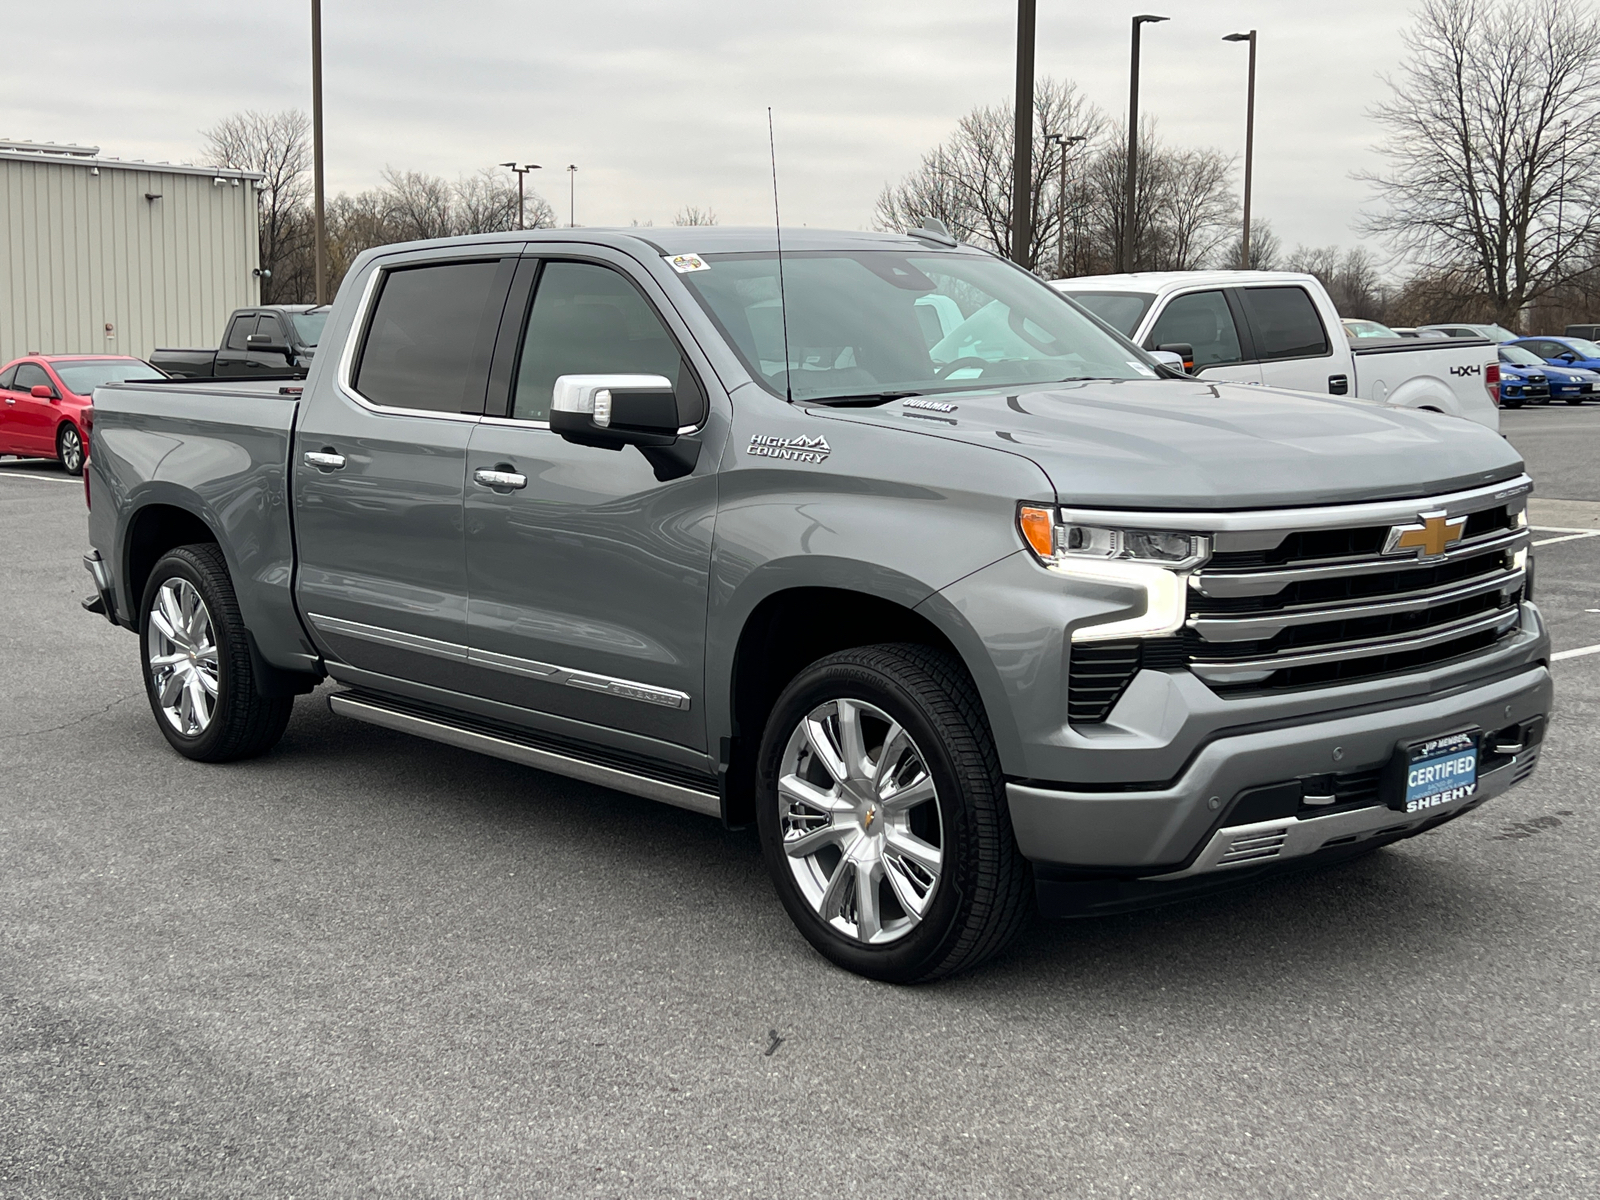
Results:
685 263
792 449
930 405
1140 367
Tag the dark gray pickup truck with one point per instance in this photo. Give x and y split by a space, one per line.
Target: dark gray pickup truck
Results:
884 547
277 339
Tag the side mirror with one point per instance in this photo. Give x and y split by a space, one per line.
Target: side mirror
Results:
613 411
1168 359
264 341
1568 357
1183 350
43 391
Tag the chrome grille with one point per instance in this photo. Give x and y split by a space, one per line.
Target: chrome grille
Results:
1302 607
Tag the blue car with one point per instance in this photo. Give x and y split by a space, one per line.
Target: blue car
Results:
1522 378
1572 384
1563 351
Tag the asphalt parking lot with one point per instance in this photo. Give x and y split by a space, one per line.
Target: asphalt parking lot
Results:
366 965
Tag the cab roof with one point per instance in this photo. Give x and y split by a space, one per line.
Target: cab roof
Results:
1160 282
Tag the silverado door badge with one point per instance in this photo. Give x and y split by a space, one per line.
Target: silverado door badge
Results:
792 449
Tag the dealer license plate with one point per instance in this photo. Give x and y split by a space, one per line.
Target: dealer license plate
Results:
1440 771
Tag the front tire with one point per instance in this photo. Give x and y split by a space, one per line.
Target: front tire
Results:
198 672
69 448
1574 400
883 816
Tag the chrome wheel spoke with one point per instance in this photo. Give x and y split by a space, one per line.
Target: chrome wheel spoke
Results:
199 703
852 742
899 799
816 735
183 657
905 844
161 662
910 889
170 685
207 680
868 922
835 897
165 627
798 791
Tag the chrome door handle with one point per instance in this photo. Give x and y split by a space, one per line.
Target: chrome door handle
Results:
500 479
324 460
10 400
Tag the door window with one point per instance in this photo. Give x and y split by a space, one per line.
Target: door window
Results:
31 375
268 324
1285 322
431 336
241 328
1202 320
7 377
589 320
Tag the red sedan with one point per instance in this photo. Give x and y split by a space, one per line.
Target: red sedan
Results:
43 398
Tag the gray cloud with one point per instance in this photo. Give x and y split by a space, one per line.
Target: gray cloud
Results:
665 105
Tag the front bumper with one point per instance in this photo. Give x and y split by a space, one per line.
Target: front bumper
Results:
1189 827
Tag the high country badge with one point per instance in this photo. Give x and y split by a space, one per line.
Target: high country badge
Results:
791 449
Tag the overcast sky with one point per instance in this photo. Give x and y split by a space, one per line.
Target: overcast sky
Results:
664 104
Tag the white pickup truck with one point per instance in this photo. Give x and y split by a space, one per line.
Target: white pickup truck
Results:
1281 329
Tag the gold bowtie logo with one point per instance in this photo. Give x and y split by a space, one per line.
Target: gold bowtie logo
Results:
1430 537
872 814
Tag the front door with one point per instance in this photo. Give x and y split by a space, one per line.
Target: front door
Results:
380 455
587 581
8 409
235 351
1205 322
33 419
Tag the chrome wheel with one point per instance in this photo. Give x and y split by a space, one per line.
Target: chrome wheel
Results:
860 821
71 448
183 657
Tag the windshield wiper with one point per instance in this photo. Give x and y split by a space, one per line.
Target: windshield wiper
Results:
862 398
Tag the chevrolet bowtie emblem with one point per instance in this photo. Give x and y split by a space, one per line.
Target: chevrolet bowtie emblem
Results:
1430 537
871 815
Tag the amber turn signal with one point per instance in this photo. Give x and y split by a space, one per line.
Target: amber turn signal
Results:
1038 529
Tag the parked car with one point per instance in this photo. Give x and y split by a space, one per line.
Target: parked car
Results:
1494 333
1523 378
955 594
1572 384
46 402
277 339
1588 332
1272 327
1356 328
1564 351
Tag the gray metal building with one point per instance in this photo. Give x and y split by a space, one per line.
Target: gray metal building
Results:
104 256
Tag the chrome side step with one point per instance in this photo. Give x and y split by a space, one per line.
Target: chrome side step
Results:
436 730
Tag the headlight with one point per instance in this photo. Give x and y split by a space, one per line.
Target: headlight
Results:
1155 560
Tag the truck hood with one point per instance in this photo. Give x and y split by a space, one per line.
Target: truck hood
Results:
1181 444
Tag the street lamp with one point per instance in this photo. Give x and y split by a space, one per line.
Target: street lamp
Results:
520 172
1130 188
1065 141
1249 143
318 218
1022 138
572 195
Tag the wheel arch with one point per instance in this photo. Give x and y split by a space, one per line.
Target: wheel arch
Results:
153 529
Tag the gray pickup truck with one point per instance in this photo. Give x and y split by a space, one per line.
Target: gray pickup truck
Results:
958 596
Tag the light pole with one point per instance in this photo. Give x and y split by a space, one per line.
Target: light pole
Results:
1022 140
1130 187
1249 143
1064 141
572 195
1561 196
319 223
522 210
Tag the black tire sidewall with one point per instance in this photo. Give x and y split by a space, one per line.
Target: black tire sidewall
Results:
182 564
919 952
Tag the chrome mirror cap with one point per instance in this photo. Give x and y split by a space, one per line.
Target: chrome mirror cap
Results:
590 395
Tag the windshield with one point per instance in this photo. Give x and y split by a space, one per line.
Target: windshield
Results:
1121 310
1517 356
1584 348
82 378
308 326
868 324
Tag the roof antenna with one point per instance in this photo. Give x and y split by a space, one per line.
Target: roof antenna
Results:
777 220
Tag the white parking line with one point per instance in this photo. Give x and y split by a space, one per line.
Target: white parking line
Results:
1571 537
5 474
1581 652
1560 529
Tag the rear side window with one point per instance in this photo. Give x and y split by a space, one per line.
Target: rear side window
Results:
431 335
7 376
1285 322
589 320
241 328
1202 320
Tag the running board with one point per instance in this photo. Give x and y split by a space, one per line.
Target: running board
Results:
693 799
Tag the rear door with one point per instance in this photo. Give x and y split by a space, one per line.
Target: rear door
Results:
8 408
1207 323
587 581
1293 345
380 455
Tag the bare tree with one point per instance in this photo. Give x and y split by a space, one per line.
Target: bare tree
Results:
1265 248
1494 146
278 146
416 205
487 203
692 214
966 182
1350 277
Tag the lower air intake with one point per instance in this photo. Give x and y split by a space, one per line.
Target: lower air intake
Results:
1254 846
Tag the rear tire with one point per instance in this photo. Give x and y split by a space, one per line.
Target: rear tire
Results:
69 448
1511 404
904 866
198 672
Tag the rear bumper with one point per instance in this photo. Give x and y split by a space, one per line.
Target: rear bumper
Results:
1188 828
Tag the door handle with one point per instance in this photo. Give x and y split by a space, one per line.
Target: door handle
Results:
325 460
10 400
499 479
